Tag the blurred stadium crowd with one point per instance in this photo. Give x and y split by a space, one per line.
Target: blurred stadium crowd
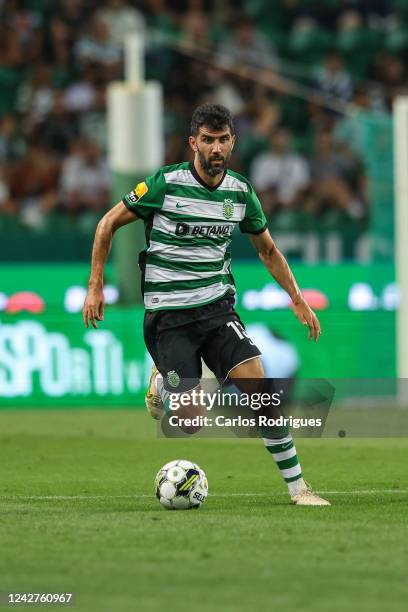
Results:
301 152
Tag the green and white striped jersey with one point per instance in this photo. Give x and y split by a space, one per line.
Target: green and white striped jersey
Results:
188 227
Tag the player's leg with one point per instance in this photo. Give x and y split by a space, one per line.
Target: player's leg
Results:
153 400
176 372
232 355
279 442
183 407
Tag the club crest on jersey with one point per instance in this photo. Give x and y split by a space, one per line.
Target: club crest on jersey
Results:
228 208
173 379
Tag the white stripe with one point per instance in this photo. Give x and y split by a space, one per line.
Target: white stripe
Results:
284 454
173 252
167 226
181 177
185 178
290 472
184 298
201 208
230 183
151 496
272 442
156 274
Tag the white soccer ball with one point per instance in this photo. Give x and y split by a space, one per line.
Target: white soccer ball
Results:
181 485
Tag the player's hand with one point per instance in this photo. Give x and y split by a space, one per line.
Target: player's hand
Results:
93 306
306 316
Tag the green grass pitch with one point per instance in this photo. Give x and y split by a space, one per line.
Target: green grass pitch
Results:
78 514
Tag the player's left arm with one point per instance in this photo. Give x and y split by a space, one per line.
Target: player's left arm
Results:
279 268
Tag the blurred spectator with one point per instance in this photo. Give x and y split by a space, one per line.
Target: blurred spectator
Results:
26 26
280 176
122 19
73 13
227 92
85 179
35 96
93 124
80 95
349 129
11 53
390 76
159 17
7 205
33 183
195 28
98 47
332 79
247 47
12 145
335 183
59 46
59 128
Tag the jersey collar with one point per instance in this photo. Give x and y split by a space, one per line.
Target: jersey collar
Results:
203 183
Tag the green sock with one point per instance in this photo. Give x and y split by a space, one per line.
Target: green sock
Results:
284 453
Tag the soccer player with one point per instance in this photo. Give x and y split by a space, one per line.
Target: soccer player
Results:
189 212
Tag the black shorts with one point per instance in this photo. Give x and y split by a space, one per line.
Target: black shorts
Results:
177 340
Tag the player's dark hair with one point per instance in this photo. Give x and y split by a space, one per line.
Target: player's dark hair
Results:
214 116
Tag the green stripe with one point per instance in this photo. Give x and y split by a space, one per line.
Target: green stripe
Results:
279 448
287 463
184 218
191 266
293 478
187 241
199 193
173 286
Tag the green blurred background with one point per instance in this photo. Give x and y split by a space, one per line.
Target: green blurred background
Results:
316 94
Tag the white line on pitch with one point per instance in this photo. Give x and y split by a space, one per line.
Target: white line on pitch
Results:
147 495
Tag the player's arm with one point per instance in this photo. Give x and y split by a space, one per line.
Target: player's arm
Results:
118 216
277 265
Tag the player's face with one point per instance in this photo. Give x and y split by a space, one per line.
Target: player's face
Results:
213 149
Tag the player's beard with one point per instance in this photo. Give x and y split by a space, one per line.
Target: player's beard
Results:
207 166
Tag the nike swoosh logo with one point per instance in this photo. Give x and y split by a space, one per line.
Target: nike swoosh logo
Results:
181 205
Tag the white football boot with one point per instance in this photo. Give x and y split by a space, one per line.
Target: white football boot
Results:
153 401
307 497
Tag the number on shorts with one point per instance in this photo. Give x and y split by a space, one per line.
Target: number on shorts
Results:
239 330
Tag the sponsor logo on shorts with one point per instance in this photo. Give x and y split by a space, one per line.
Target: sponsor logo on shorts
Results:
173 379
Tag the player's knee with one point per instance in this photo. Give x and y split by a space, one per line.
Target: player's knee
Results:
258 368
252 368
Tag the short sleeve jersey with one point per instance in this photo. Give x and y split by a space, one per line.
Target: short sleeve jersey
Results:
188 227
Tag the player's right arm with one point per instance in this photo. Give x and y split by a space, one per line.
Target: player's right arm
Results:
115 218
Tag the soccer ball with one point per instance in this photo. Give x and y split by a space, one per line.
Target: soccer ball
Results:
181 485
